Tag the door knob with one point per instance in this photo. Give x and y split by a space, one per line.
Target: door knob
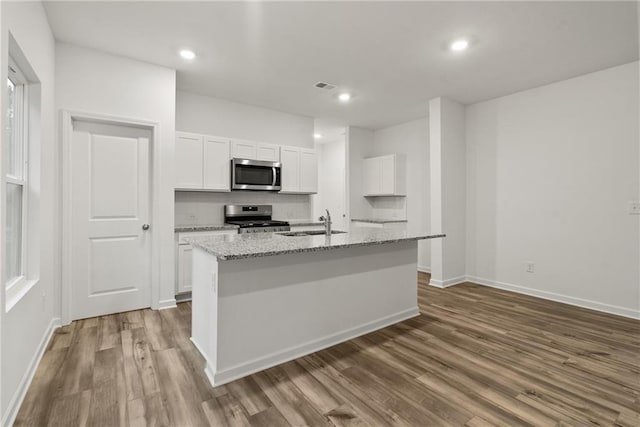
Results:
145 227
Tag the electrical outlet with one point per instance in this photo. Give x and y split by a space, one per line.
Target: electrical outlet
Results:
531 267
634 208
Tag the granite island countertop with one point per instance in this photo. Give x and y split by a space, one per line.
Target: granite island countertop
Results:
242 246
377 220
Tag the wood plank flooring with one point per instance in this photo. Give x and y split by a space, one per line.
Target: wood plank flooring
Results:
476 356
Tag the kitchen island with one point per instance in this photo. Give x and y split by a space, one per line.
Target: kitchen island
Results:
263 299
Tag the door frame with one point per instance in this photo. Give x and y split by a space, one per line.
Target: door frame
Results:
67 118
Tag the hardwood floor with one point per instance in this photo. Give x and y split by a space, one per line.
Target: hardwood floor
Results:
477 356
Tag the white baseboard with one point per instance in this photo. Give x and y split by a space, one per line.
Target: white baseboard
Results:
167 303
446 283
552 296
18 397
270 360
424 269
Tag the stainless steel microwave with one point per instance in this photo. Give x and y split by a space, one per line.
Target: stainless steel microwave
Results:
249 174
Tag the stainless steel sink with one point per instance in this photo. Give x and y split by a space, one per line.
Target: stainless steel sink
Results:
309 233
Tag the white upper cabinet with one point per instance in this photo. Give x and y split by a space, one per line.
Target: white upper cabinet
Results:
308 171
385 176
299 170
268 152
202 162
244 149
255 150
217 173
372 175
189 165
290 172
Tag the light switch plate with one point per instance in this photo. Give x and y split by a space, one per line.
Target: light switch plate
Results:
634 208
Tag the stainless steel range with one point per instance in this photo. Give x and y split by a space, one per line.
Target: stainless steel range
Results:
253 219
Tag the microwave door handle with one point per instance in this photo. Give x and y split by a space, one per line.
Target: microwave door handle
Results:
273 170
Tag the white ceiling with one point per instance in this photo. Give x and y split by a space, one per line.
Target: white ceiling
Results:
331 130
392 55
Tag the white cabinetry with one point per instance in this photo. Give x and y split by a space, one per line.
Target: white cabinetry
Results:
290 174
244 150
183 268
299 170
217 174
189 165
385 176
308 171
255 151
202 162
183 257
268 152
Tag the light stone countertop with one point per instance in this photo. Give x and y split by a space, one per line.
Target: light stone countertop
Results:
378 220
242 246
208 227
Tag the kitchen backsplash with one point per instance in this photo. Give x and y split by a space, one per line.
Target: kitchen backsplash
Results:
202 208
388 207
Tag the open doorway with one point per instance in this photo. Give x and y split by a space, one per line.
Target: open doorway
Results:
330 143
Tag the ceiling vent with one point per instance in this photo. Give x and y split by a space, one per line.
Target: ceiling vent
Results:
324 85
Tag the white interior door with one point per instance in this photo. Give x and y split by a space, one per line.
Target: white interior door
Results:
110 199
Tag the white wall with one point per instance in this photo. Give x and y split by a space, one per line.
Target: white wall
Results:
332 182
448 190
412 140
25 328
550 174
99 83
359 147
204 208
213 116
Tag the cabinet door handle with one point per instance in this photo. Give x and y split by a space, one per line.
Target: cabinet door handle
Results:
145 227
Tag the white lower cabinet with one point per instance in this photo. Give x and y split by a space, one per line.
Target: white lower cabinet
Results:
183 257
184 268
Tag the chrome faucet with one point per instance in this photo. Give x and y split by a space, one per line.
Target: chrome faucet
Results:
327 223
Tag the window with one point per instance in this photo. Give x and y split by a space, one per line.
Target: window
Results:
16 175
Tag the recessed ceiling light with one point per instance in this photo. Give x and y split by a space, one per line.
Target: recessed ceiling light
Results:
187 54
317 135
459 45
344 97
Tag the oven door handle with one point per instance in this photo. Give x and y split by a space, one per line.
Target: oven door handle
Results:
273 170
